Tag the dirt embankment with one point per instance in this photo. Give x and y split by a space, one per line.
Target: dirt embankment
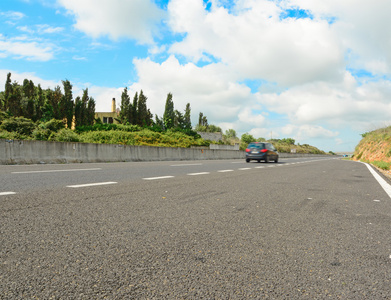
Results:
375 148
373 151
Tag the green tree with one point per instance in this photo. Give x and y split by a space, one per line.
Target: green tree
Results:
15 100
90 118
28 101
247 138
230 133
142 110
134 113
179 120
169 113
78 111
66 104
125 114
187 117
40 102
7 92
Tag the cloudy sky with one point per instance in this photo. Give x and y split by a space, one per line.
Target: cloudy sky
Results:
313 70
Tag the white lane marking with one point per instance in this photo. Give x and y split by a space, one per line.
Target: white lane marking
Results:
201 173
7 193
224 171
386 187
376 200
160 177
259 167
185 165
91 184
243 169
53 171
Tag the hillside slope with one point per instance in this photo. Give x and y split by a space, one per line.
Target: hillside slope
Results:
375 148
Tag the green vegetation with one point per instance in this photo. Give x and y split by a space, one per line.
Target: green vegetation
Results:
29 113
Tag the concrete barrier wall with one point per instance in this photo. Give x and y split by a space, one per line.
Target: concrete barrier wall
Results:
35 152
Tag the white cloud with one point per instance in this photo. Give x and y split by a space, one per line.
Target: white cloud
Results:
347 104
210 89
13 15
30 50
136 19
361 25
256 43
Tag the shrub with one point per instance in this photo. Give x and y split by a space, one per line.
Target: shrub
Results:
65 135
20 125
41 134
53 125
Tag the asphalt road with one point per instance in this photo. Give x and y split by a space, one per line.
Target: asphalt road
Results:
299 229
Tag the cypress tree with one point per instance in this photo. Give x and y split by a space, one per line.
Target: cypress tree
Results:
169 114
125 113
187 119
134 110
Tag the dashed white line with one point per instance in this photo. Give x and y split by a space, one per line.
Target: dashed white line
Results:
201 173
91 184
224 171
243 169
54 171
185 165
157 178
7 193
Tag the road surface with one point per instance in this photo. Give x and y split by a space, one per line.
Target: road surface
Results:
300 229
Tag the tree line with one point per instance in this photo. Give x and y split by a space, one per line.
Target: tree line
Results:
33 102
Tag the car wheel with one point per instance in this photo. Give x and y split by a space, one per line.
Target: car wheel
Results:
276 160
258 160
247 160
267 160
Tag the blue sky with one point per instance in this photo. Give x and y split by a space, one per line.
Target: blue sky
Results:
304 69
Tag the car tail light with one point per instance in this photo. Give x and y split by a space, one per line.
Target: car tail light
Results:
263 150
248 150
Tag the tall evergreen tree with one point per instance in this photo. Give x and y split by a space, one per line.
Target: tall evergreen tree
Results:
84 103
142 110
78 111
90 111
7 92
40 101
66 104
47 108
134 109
15 100
169 113
125 113
187 117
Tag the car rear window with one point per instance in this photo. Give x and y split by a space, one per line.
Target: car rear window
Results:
258 146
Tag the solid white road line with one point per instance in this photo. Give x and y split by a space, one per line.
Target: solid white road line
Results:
201 173
382 182
156 178
53 171
91 184
7 193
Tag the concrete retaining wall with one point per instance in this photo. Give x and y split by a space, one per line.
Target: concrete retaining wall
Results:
35 152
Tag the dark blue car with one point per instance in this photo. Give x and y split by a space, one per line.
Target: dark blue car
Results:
261 151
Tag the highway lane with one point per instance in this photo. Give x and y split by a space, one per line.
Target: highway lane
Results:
308 230
19 178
